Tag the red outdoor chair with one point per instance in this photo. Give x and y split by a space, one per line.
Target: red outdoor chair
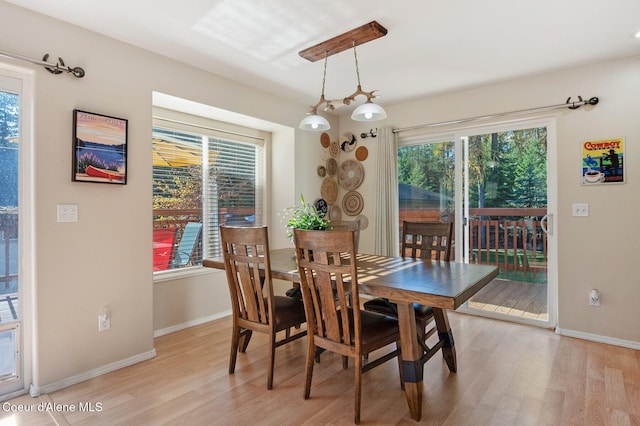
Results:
163 242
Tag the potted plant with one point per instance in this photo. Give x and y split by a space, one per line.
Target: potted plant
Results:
304 216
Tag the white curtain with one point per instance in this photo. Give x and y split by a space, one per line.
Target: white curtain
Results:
385 218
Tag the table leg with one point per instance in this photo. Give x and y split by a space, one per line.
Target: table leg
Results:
446 336
411 362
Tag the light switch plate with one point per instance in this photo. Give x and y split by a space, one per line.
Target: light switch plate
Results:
67 212
580 209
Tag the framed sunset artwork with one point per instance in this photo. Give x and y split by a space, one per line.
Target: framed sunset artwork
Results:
99 148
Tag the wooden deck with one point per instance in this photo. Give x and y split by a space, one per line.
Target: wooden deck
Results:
515 298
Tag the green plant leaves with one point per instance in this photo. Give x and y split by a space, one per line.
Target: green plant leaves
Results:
305 216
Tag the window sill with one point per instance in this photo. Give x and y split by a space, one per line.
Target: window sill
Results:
171 275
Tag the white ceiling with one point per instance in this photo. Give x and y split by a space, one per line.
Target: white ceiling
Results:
431 46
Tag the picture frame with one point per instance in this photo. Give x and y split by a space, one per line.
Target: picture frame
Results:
603 162
99 148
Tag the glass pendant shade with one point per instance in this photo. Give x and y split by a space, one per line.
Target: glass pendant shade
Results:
368 111
314 123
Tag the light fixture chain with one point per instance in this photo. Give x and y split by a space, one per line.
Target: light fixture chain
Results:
324 76
355 55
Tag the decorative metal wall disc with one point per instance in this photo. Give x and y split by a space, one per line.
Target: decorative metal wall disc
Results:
329 190
332 166
335 213
334 149
324 140
362 153
350 174
322 172
352 203
349 144
321 206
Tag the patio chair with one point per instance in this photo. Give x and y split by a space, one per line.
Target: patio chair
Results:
254 306
163 244
335 322
425 240
187 245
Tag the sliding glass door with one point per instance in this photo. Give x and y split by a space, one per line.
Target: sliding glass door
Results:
493 183
11 301
506 218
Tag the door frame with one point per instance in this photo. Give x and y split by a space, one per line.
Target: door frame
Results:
10 76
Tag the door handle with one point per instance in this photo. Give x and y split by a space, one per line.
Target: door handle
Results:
546 223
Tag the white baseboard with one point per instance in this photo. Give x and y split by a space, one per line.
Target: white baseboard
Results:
36 391
178 327
600 339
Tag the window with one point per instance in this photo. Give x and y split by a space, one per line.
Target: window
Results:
205 174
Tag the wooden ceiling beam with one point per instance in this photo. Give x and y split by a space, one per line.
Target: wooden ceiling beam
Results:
360 35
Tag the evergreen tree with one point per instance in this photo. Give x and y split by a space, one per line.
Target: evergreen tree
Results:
9 110
506 169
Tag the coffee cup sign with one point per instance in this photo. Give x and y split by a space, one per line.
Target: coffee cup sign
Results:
603 161
593 176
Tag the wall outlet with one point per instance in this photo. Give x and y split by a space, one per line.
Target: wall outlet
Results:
594 298
104 321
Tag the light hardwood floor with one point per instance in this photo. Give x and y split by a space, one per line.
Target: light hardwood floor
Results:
508 374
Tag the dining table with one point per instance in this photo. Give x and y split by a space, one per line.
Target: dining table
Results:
405 281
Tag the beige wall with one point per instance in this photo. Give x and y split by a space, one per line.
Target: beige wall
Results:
105 258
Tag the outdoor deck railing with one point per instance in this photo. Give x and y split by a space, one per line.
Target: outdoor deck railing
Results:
510 238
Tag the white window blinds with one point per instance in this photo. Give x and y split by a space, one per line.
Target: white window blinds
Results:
208 172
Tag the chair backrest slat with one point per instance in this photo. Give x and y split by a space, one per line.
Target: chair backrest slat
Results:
427 240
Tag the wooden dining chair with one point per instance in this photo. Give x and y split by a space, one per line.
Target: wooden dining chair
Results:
253 303
425 240
335 322
348 225
342 225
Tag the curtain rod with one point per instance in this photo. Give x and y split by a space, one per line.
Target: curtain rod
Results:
568 104
58 68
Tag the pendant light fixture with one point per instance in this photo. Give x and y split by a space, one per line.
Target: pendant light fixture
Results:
365 112
313 121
